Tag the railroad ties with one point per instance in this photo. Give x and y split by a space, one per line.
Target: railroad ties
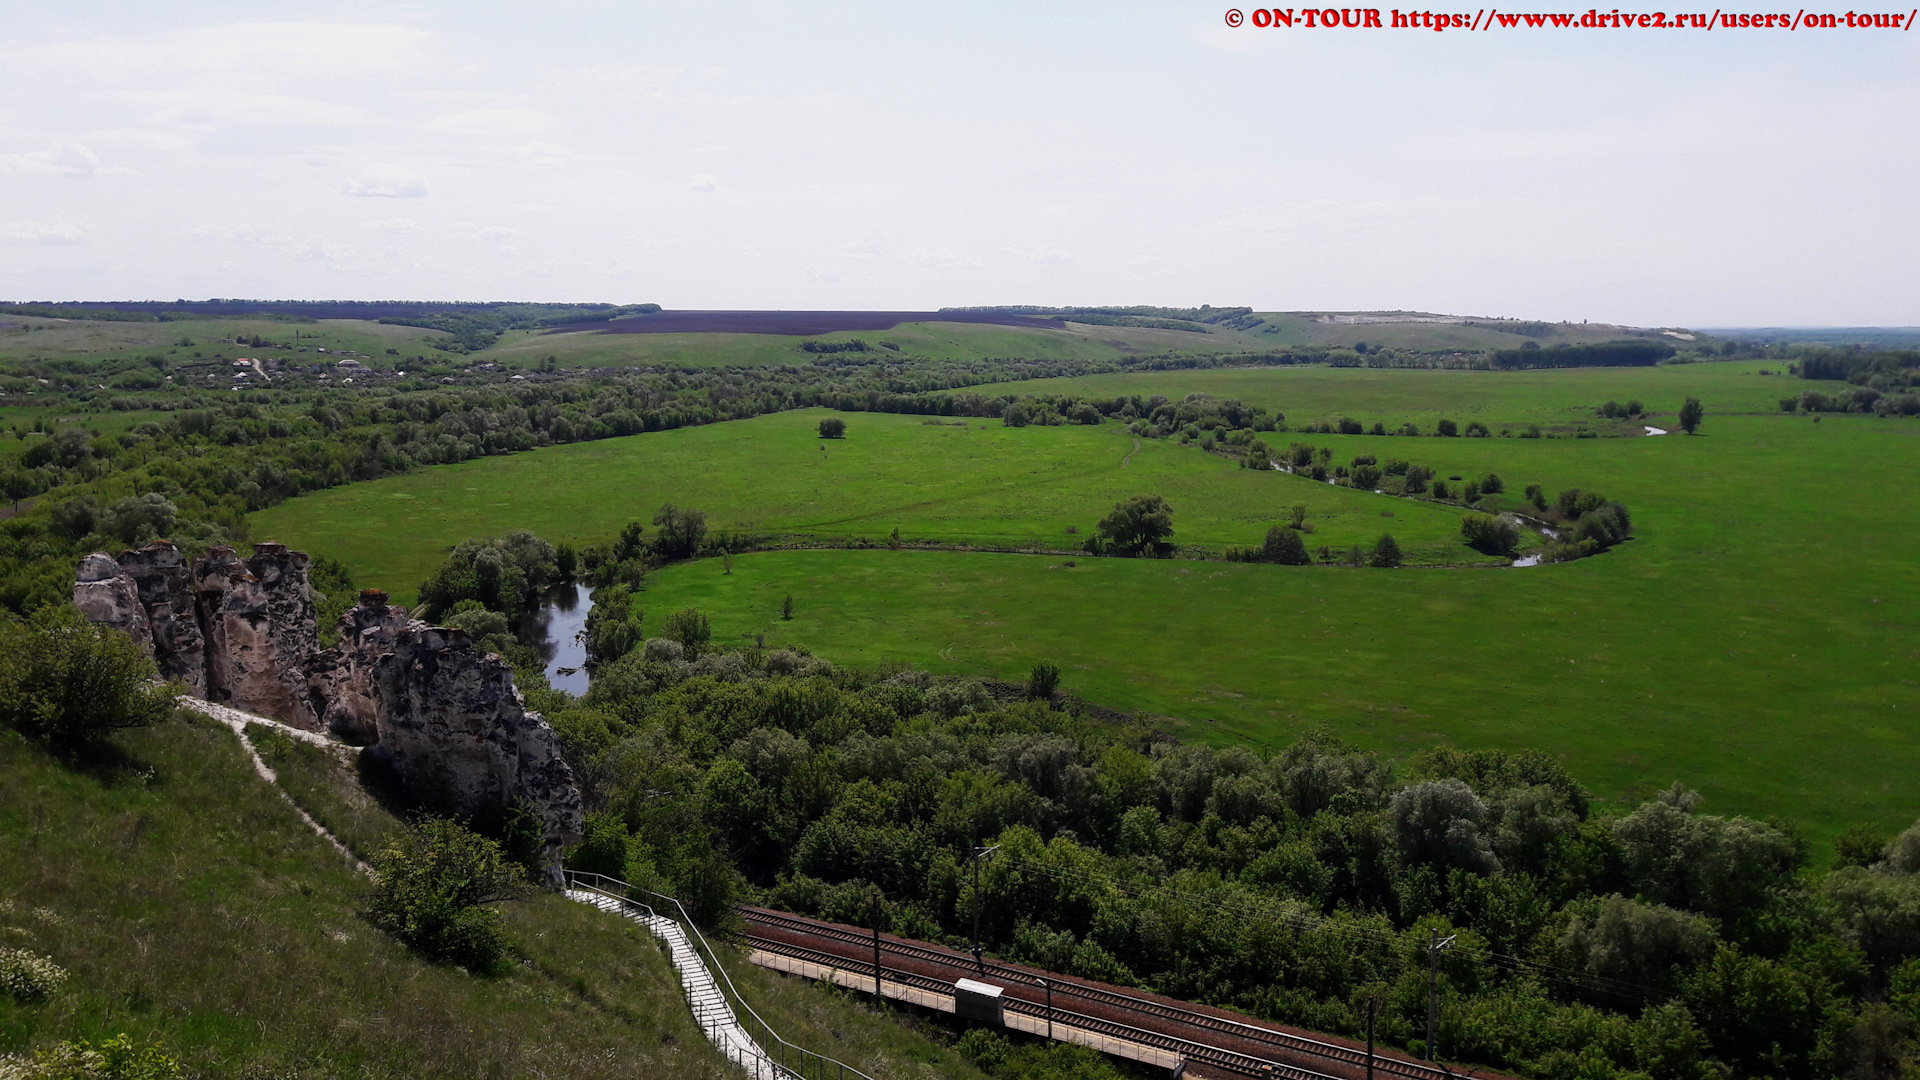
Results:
1124 1023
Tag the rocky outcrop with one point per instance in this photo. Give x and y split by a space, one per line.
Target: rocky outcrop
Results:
161 575
259 622
241 634
105 594
453 723
340 679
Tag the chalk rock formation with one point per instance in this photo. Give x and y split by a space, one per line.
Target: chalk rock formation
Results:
340 679
241 633
452 721
161 575
106 595
260 631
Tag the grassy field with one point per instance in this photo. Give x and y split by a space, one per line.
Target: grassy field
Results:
1307 328
936 340
1562 399
192 908
1755 638
976 483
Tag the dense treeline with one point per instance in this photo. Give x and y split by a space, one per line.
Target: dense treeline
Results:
1654 941
1603 354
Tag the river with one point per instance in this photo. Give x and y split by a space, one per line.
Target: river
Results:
554 628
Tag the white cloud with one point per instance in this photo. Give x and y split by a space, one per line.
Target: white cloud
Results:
392 225
482 232
1143 260
703 183
545 153
943 258
64 158
516 122
42 232
1045 253
387 181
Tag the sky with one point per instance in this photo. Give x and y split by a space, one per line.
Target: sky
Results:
920 155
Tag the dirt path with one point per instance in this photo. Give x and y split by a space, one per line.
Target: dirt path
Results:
1128 460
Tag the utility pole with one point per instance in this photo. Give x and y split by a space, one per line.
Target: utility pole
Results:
1373 1005
877 995
978 854
1047 985
1434 944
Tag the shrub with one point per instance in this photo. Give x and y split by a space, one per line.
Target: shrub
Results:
1492 535
1491 484
433 880
1015 416
1605 526
1448 429
1537 495
612 629
1477 430
681 532
1532 432
1574 502
1366 477
27 977
1440 490
833 428
1143 523
1043 680
1386 553
116 1059
663 651
1691 413
690 628
70 681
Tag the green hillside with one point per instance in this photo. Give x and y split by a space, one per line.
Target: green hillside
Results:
192 908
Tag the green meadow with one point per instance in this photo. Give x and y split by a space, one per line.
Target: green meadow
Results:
1755 639
971 482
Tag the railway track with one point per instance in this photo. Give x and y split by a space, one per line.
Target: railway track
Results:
1203 1036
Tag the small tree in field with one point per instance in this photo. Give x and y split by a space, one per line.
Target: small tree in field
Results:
786 607
691 628
1691 414
1043 680
1143 523
833 428
1386 553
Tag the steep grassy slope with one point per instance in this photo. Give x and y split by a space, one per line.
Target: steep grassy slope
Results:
192 907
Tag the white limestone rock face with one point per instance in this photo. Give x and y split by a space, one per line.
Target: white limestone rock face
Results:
105 594
340 679
452 722
259 624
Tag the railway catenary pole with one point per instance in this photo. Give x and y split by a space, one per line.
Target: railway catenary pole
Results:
1047 985
877 994
978 854
1434 945
1373 1004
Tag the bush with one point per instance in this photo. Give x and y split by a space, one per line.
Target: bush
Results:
1477 430
1043 680
116 1059
29 978
833 428
1386 553
1532 432
1492 535
1366 477
681 532
690 629
1491 484
1691 414
1142 524
1537 495
432 882
1448 429
70 681
1605 526
612 629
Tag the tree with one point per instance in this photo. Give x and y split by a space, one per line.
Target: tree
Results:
17 484
1691 413
1142 523
786 607
1285 547
432 882
1386 553
1448 429
681 532
1491 484
1015 416
1297 517
833 428
1492 535
1043 680
71 681
613 629
690 628
1537 495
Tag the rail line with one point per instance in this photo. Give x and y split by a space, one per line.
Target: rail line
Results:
1237 1046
